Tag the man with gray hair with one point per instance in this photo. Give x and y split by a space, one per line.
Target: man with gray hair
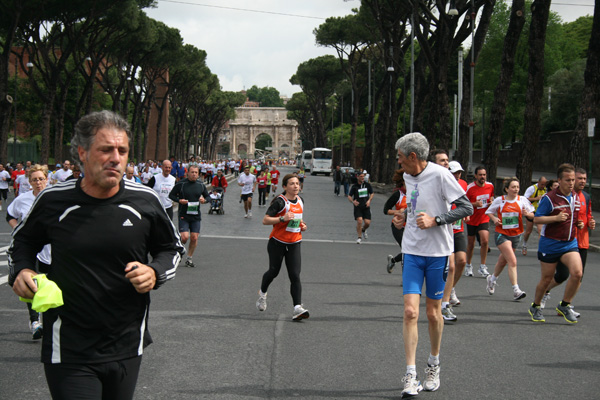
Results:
427 245
101 230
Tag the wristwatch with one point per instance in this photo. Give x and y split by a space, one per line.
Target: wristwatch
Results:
438 221
281 219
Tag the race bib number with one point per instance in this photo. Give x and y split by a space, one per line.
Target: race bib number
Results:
363 192
484 200
510 220
193 207
294 224
165 189
457 225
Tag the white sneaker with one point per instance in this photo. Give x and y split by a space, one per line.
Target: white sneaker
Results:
432 378
300 313
365 235
483 271
491 285
453 299
249 213
518 294
358 241
246 215
544 300
36 330
469 270
412 386
261 303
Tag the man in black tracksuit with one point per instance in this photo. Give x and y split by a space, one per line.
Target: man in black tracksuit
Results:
189 193
101 230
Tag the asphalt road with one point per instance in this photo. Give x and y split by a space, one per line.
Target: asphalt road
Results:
212 343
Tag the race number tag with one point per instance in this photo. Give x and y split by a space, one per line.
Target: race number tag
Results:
193 207
165 188
457 225
510 220
363 192
294 224
484 200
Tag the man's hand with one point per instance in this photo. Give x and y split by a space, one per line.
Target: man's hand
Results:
424 221
592 223
141 276
24 285
478 204
561 216
183 201
202 200
399 220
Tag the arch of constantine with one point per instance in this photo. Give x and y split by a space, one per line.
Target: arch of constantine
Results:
251 122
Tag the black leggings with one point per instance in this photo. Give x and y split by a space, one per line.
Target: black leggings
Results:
291 252
114 380
398 233
562 272
262 195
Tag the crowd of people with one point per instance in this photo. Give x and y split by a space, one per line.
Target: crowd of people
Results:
95 341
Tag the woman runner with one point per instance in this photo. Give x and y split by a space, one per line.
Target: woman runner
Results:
285 214
507 214
396 204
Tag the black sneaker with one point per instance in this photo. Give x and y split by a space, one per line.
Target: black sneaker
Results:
190 263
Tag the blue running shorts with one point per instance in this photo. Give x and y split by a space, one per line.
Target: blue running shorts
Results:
418 269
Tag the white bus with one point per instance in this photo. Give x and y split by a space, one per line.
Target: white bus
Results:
306 160
321 161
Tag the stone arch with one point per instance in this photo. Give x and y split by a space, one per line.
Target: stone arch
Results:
252 122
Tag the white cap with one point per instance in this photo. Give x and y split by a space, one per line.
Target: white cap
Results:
364 172
455 166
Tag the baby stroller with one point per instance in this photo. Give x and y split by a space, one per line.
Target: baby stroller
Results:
216 201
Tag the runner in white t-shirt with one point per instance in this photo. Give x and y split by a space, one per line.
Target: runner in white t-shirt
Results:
248 183
4 180
427 243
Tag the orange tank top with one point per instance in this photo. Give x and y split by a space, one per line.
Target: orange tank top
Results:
289 231
511 216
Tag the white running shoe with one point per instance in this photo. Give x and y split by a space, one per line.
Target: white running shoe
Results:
390 264
491 285
365 235
544 300
358 241
453 299
412 386
36 330
261 303
300 313
246 215
483 271
448 314
469 270
432 378
249 213
518 294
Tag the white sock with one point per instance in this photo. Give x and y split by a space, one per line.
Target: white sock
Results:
411 369
494 278
445 304
261 294
433 360
515 288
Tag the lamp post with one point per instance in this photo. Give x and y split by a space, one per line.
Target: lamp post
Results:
342 134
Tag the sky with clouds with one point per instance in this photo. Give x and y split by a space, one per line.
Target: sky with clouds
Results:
262 42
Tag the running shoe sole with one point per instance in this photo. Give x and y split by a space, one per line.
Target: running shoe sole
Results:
301 316
521 296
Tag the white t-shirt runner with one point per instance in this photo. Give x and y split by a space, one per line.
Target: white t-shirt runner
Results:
432 192
4 178
247 181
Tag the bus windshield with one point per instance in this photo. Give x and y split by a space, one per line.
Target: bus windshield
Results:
322 154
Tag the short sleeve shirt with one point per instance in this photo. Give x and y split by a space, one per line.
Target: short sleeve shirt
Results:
485 194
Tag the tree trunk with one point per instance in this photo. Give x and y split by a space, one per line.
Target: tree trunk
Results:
498 113
540 11
463 127
59 125
590 102
46 116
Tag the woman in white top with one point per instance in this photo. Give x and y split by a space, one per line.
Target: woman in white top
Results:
507 213
17 211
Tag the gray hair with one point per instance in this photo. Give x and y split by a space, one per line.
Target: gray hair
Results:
414 143
87 127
